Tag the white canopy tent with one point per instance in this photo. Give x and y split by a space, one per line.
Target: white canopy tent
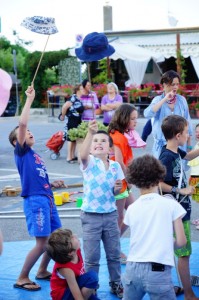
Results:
164 42
135 58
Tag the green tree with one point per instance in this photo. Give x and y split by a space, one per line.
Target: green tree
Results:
182 63
6 56
6 60
42 82
102 77
4 43
26 66
20 42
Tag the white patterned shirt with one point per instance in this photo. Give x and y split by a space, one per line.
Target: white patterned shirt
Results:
99 184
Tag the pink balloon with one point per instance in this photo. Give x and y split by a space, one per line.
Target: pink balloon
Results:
5 86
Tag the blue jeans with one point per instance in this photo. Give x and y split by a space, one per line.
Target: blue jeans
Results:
139 279
97 227
88 280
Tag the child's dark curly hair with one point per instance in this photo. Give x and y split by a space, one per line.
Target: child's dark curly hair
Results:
145 172
59 246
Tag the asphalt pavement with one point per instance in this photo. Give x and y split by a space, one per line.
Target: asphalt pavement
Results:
12 221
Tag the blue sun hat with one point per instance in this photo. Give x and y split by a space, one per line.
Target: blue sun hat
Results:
42 25
95 47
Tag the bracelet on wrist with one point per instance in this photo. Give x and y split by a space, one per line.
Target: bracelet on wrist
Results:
189 147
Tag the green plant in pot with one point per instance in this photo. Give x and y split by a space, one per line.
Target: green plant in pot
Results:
80 132
197 106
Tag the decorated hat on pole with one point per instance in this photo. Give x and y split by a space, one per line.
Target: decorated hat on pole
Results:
95 47
5 86
42 25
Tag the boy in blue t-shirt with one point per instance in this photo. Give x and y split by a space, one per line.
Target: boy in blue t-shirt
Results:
41 214
102 181
175 130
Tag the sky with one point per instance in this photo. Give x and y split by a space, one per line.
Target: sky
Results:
84 16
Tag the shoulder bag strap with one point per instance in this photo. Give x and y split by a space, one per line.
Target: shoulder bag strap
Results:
180 179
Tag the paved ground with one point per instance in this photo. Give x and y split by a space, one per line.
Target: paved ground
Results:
12 222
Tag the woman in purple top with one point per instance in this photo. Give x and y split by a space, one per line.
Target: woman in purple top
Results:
89 100
110 102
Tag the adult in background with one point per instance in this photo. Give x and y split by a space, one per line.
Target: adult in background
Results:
72 109
110 102
89 100
164 105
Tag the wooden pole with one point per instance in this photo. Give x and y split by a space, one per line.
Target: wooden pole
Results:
40 61
92 97
89 71
108 68
178 53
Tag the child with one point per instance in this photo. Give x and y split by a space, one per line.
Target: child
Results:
39 208
194 179
69 280
175 130
102 181
152 219
124 120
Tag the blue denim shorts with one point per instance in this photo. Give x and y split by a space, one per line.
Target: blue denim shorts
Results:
139 279
41 215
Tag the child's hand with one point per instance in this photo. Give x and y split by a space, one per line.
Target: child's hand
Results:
187 191
58 184
92 126
30 93
117 187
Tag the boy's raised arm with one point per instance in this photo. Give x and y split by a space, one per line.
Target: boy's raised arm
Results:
23 120
192 154
85 149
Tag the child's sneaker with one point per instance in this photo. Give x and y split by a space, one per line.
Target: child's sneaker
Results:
116 288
